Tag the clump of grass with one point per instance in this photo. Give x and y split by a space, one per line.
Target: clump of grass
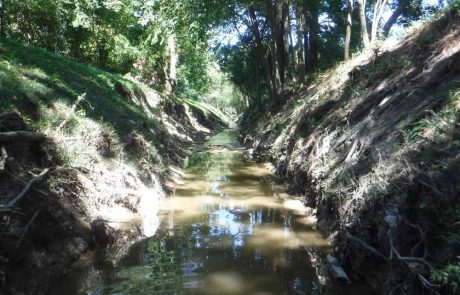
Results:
149 158
438 127
31 75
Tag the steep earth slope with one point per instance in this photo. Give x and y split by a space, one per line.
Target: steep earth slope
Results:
108 149
374 146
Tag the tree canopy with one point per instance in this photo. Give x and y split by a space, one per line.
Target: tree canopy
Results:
166 43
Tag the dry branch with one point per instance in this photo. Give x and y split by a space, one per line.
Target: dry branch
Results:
409 258
30 183
367 246
21 136
25 182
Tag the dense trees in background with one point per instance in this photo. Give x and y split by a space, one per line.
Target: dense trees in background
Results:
165 43
284 41
162 43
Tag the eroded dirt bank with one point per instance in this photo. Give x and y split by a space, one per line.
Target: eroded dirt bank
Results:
374 146
101 189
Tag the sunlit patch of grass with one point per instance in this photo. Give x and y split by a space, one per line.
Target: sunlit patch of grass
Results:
438 127
33 76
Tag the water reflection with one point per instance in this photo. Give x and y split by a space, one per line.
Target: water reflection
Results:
224 232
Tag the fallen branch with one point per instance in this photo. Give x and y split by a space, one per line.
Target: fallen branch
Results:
24 232
21 136
409 258
24 192
367 246
25 182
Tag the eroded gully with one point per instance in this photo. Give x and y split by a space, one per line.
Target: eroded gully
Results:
227 230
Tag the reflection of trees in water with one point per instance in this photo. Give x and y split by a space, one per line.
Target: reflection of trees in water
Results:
205 252
164 268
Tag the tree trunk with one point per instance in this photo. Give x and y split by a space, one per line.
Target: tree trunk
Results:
305 44
2 18
363 22
313 27
378 13
287 56
280 49
300 23
256 68
173 60
348 32
391 21
261 52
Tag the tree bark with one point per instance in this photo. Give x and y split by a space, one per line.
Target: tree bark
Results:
2 18
280 48
287 56
378 13
173 60
391 21
349 28
306 43
254 26
300 23
363 22
313 46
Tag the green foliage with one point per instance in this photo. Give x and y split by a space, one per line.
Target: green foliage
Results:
448 276
193 80
32 80
223 94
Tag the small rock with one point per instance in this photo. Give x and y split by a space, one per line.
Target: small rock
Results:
102 232
337 270
391 220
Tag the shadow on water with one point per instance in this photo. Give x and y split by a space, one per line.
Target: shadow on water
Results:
224 232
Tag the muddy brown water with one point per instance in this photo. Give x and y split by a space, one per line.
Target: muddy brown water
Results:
228 230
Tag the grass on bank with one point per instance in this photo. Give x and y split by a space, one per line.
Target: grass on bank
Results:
89 114
33 80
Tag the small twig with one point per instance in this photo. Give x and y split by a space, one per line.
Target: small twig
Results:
367 246
24 232
26 189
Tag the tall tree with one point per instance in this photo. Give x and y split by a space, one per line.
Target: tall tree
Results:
379 9
2 18
363 22
349 25
300 25
313 30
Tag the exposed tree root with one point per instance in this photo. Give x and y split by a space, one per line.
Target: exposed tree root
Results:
12 204
21 136
24 232
408 258
367 246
